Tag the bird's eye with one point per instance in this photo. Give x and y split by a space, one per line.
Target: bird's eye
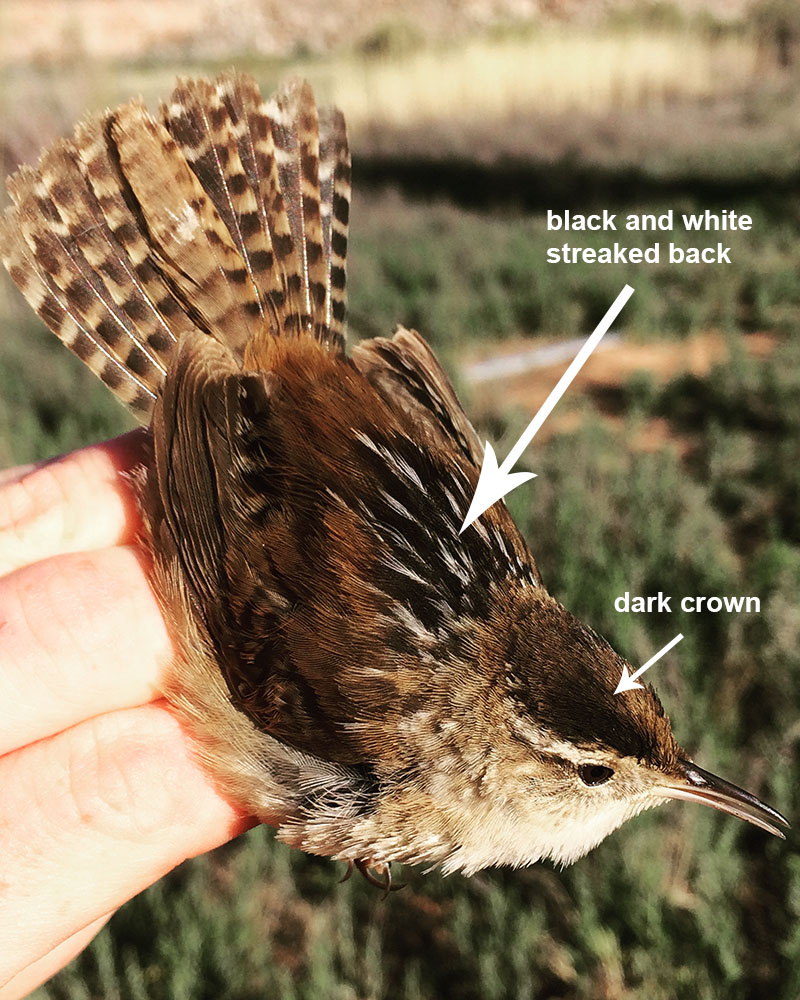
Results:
594 774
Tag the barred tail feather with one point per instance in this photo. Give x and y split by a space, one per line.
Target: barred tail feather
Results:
253 129
100 166
71 328
206 133
334 182
53 240
295 131
228 217
263 164
191 244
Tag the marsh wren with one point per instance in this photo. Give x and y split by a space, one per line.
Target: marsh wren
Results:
354 672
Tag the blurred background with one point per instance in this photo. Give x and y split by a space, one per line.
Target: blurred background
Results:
672 464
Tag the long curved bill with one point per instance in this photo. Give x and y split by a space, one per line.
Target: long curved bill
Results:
697 785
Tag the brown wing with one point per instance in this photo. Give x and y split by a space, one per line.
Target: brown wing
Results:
243 493
407 374
317 522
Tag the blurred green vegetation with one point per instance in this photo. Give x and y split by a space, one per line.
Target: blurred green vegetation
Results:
470 276
682 903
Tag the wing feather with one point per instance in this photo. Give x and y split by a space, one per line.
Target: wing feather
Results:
408 376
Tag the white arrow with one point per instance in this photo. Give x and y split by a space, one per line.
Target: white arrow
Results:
628 681
495 481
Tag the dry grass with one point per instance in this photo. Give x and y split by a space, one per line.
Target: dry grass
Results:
561 69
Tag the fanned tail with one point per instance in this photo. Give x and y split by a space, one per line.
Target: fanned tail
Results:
230 218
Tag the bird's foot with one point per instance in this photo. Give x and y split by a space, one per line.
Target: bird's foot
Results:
377 873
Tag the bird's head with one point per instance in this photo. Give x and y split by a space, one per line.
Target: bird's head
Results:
574 760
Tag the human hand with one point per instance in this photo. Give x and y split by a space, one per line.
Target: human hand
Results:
99 792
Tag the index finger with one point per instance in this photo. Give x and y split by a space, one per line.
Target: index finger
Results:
74 503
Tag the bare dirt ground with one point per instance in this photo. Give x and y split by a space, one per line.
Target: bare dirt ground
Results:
604 375
45 30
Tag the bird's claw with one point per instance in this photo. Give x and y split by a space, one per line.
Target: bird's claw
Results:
378 874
